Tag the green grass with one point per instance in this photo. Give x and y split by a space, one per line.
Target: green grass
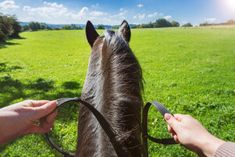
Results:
191 71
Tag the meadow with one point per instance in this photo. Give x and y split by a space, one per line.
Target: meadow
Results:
189 70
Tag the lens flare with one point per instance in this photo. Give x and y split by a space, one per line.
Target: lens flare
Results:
229 5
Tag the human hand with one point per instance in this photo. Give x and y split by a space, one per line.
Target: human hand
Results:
26 117
190 133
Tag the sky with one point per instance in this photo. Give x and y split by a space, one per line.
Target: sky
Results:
112 12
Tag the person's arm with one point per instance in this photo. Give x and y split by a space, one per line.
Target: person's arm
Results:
190 133
25 118
227 149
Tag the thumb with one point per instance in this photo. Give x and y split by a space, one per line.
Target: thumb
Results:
44 110
172 122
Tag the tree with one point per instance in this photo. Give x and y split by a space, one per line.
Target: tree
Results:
100 27
34 26
71 27
5 27
9 27
231 22
67 27
162 23
25 28
187 25
2 36
15 26
205 24
175 24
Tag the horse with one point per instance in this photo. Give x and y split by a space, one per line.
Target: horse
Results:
114 87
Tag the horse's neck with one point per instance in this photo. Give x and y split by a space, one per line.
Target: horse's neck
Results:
111 97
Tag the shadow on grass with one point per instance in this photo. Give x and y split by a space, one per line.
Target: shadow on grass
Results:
6 68
5 44
13 89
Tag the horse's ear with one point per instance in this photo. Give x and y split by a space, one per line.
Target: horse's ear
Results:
91 33
125 31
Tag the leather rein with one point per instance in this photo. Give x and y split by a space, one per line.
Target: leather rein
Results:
120 150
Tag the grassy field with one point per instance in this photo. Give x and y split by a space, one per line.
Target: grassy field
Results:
191 71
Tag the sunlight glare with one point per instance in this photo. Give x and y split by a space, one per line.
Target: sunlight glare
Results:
229 5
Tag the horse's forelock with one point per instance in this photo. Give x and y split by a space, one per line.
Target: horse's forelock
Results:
114 39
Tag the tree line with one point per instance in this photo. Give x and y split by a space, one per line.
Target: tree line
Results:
227 23
9 27
162 22
35 26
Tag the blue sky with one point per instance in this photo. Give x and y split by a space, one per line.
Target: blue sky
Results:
113 12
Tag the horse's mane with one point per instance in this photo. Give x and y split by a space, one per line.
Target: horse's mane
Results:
124 69
113 85
124 85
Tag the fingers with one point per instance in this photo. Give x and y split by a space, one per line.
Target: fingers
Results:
44 125
33 103
172 122
176 138
37 103
51 118
44 110
38 129
170 129
173 134
179 117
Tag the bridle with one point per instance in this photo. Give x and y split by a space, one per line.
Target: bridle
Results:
120 150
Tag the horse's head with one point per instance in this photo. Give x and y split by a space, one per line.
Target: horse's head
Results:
113 86
102 45
110 48
124 32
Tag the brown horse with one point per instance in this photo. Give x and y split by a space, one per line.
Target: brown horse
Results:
113 86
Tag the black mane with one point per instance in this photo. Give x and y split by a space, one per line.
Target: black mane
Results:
113 86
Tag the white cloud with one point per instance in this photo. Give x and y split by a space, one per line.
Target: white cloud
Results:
140 16
154 15
48 10
140 5
57 13
168 17
8 4
98 13
210 20
122 12
144 17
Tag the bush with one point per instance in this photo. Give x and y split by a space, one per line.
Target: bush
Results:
16 27
34 26
162 23
159 23
100 27
187 25
9 27
71 27
5 27
2 36
232 22
25 28
175 24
